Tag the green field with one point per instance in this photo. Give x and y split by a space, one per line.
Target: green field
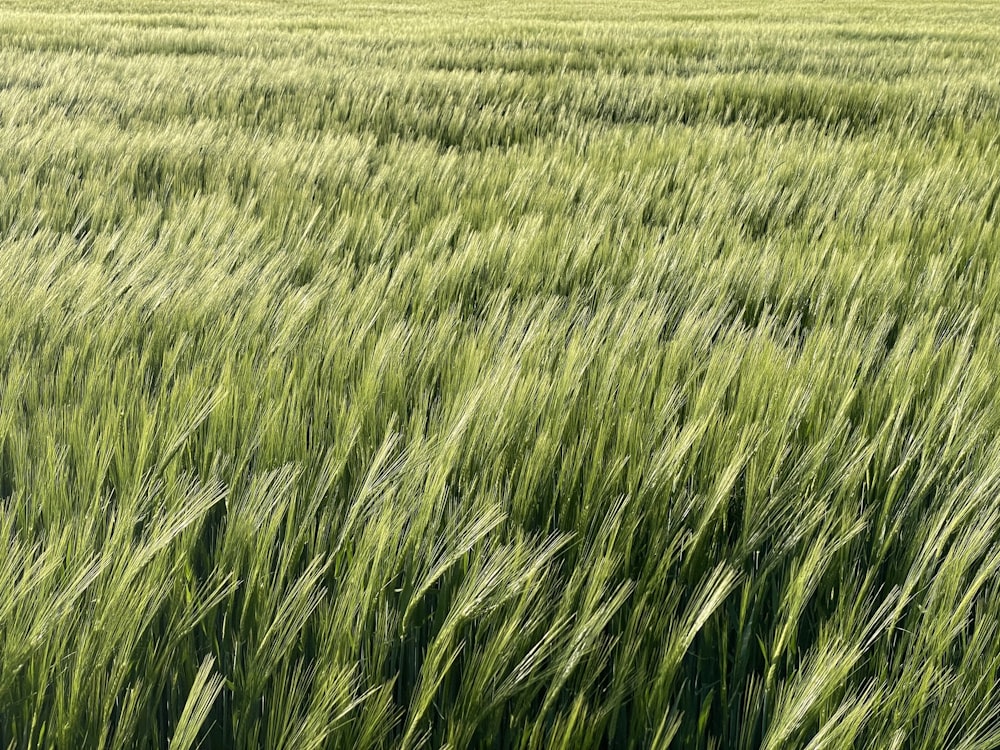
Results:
539 375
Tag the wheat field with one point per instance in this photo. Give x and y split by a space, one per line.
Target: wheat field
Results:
553 375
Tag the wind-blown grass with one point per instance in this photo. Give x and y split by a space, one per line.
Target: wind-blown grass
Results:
545 376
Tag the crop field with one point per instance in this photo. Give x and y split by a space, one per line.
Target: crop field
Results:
517 375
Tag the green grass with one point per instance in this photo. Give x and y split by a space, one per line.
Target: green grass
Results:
556 375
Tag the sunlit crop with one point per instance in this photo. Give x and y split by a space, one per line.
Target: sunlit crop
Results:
540 375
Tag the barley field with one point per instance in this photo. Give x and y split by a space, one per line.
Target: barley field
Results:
527 375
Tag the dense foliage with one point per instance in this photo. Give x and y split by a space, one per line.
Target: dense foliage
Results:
551 375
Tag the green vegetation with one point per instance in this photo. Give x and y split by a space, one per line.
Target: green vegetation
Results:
575 376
